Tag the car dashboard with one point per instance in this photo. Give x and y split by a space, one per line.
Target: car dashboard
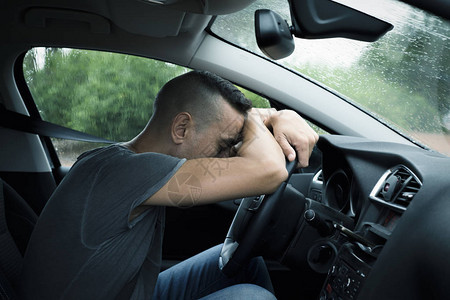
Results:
376 221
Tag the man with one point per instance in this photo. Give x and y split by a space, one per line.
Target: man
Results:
100 235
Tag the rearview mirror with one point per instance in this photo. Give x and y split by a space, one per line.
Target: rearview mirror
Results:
273 35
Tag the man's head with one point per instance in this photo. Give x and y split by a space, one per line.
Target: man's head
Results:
203 112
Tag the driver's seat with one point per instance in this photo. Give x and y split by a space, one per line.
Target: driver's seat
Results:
17 222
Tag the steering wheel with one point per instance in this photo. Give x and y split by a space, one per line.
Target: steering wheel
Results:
249 224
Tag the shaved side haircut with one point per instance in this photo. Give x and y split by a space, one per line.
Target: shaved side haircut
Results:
199 93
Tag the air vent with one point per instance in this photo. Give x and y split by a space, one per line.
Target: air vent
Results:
408 188
396 188
319 176
316 187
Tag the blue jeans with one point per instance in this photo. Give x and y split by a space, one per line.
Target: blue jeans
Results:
200 277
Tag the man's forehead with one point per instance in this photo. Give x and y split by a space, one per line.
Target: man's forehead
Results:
231 123
233 135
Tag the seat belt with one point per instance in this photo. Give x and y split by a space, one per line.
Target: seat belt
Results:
20 122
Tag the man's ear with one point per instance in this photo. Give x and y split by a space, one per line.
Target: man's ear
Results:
181 125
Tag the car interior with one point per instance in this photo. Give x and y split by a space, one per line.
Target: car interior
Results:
367 219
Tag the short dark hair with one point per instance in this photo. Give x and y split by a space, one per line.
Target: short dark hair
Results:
226 89
198 92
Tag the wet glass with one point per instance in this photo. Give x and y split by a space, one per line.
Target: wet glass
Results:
402 79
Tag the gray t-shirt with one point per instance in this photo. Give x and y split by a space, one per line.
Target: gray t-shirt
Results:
84 246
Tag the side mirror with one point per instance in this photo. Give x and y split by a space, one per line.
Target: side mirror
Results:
273 34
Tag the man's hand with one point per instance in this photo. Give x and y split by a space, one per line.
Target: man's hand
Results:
292 133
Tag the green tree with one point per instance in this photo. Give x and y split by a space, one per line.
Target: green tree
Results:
105 94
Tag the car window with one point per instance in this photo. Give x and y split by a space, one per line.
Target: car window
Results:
108 95
105 94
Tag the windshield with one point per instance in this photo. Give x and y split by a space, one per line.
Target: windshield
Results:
402 79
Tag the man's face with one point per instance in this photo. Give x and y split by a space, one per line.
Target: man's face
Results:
218 139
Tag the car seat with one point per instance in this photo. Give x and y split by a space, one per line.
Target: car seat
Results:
17 222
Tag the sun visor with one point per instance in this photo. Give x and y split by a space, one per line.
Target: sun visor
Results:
140 17
205 7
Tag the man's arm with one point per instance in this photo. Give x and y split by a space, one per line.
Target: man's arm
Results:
258 168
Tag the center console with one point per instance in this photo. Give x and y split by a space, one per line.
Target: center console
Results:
347 274
359 249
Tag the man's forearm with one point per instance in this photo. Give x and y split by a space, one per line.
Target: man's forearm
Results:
201 181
